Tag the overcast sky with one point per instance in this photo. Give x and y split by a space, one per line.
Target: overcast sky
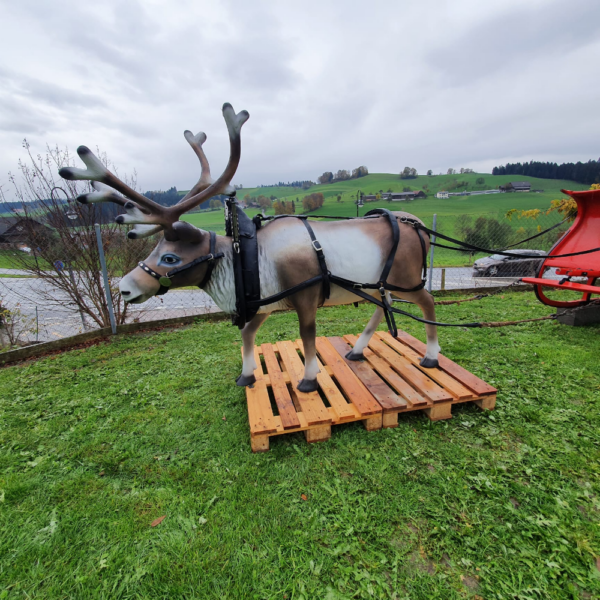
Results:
329 84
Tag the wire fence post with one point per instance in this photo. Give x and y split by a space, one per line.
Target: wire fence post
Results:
430 282
111 314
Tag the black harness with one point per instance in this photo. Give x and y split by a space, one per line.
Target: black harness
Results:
165 280
247 278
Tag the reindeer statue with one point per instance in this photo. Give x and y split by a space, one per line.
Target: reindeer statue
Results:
288 257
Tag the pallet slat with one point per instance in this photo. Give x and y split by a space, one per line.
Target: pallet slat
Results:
380 391
357 393
410 373
314 410
285 406
344 411
469 380
260 414
446 381
412 397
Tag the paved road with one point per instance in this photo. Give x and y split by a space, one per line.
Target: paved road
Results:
56 318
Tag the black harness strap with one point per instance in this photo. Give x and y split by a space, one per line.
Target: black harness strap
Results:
321 257
165 280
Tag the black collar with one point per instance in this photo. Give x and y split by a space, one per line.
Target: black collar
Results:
165 280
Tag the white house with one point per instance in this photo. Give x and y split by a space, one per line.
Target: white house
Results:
444 195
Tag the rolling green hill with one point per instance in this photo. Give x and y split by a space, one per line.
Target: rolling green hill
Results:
491 206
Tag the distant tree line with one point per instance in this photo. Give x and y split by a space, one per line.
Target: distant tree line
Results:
295 184
588 172
172 197
343 175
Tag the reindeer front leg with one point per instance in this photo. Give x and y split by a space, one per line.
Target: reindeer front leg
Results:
248 337
308 332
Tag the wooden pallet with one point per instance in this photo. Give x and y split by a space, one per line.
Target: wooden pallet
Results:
388 382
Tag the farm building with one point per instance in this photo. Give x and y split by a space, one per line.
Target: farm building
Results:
516 186
443 195
20 230
401 196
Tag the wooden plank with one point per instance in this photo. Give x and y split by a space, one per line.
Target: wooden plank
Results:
412 397
356 392
469 380
287 411
344 411
377 386
314 410
450 384
416 378
260 414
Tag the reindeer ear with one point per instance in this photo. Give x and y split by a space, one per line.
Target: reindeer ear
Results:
186 232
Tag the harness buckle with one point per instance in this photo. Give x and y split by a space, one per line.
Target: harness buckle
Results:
357 286
403 219
317 246
236 247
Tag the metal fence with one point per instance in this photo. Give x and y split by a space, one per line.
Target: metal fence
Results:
33 313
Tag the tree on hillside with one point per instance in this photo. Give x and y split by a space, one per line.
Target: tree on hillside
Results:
281 207
408 173
327 177
451 171
264 202
214 203
342 175
312 201
359 172
480 181
429 172
339 198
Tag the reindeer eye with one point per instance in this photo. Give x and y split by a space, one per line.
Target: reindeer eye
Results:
169 259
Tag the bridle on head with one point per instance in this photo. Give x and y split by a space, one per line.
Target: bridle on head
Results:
165 280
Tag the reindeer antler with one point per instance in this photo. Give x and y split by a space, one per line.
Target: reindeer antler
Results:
149 216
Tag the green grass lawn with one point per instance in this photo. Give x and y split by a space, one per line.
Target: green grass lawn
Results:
96 444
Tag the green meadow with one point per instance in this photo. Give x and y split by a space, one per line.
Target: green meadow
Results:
447 210
126 473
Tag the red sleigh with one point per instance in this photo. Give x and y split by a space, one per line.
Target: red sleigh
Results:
584 234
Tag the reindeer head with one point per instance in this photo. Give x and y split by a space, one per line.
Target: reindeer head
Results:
182 243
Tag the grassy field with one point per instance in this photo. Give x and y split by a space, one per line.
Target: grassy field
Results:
447 211
96 444
496 205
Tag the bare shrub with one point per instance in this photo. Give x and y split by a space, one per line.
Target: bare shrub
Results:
61 236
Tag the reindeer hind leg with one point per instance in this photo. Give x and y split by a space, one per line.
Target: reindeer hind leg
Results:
365 337
424 300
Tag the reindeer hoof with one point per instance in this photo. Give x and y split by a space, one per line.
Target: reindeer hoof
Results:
429 363
307 385
357 356
244 380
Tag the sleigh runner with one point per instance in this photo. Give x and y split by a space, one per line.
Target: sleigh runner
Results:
389 382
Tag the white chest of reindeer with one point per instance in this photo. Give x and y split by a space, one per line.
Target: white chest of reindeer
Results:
354 250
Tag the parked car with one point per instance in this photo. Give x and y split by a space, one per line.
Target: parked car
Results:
498 265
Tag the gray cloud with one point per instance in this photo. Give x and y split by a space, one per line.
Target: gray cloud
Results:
328 84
